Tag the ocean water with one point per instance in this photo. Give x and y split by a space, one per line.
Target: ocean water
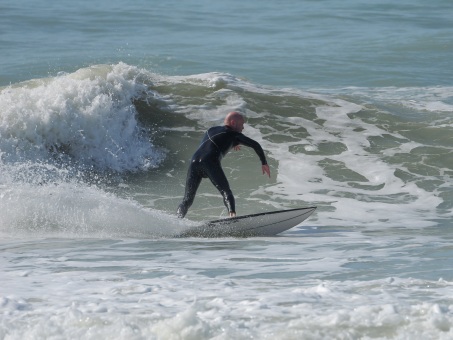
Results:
101 107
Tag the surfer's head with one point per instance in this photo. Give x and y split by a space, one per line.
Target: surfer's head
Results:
235 120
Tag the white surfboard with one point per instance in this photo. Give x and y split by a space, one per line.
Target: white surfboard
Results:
262 224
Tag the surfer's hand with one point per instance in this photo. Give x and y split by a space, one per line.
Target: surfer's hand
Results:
266 170
237 148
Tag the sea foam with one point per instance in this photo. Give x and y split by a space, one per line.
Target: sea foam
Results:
87 116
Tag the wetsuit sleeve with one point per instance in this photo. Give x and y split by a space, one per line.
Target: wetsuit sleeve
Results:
241 139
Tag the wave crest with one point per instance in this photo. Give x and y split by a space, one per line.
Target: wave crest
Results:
87 117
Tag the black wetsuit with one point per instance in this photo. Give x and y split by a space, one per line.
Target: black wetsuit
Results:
205 163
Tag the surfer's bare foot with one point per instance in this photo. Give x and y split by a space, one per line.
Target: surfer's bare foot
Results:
232 214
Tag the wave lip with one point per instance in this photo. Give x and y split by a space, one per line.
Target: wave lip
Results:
87 116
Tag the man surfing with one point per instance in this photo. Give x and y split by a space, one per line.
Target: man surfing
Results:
205 162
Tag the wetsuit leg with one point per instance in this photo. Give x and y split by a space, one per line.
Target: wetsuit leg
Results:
193 181
218 178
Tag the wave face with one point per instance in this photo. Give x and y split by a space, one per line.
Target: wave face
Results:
364 156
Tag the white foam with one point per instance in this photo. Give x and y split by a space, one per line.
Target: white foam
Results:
300 176
431 99
88 114
214 290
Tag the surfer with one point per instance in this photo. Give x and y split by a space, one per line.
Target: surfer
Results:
205 162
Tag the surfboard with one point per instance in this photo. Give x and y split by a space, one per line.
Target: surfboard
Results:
261 224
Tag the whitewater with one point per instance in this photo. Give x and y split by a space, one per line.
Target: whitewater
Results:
101 108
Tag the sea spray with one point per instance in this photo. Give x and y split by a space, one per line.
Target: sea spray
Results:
87 117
